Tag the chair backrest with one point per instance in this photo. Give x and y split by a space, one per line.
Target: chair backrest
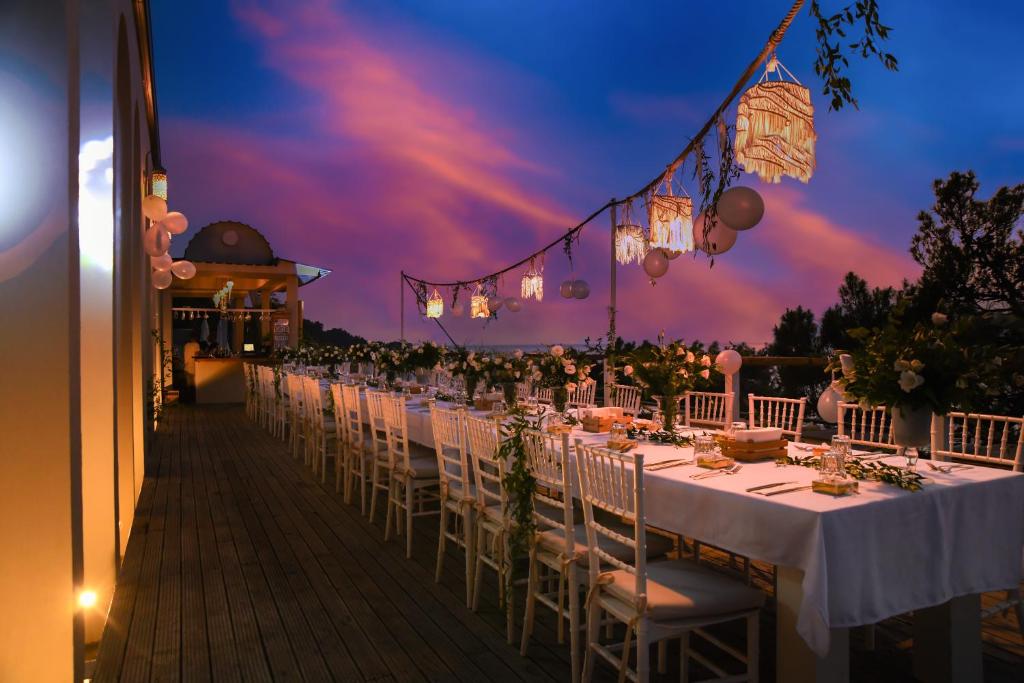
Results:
396 422
353 414
449 428
488 467
547 457
295 395
545 394
870 427
983 439
314 402
523 390
627 398
786 414
378 427
338 407
584 394
707 409
613 482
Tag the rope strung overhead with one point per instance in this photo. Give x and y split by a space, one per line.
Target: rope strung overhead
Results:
773 42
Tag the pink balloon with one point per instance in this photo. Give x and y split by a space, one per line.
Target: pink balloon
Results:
513 304
156 241
655 263
175 222
186 270
154 207
720 240
162 279
741 208
458 310
162 262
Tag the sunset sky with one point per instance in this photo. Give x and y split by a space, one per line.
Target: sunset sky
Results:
451 138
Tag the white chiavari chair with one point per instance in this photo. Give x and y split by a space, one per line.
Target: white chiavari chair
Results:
342 457
458 495
264 404
276 403
544 394
413 490
492 514
523 391
656 601
360 451
990 441
321 430
786 414
583 397
627 398
707 409
380 470
871 427
297 421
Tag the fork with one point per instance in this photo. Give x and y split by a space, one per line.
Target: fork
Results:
728 470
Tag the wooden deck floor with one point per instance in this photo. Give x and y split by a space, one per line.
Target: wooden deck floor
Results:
241 566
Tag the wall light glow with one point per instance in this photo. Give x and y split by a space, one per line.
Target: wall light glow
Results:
96 203
87 599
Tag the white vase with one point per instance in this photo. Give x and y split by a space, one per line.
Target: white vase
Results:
911 426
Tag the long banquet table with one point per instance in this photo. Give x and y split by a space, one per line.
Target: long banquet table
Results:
849 561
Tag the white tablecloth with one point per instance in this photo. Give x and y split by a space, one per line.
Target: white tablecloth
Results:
865 557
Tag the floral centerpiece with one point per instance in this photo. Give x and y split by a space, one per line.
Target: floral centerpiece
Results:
667 371
426 357
467 365
390 360
501 370
560 370
913 370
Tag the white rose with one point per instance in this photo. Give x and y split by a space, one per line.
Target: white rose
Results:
706 361
517 374
570 369
690 357
939 319
557 351
628 370
910 380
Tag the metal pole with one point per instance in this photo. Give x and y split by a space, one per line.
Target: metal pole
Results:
401 303
609 375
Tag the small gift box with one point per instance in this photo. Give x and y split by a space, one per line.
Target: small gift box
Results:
834 487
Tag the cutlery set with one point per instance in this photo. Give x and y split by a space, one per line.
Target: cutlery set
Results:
665 464
760 490
714 473
946 469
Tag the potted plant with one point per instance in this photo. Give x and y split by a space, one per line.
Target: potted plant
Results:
915 370
667 371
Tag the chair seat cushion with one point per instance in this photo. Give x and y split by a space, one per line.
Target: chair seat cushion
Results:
455 491
423 468
680 589
553 540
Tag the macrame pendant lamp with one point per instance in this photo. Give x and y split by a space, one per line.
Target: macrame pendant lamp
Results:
478 304
775 127
630 243
435 305
671 221
533 282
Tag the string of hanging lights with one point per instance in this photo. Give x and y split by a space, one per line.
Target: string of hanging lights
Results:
774 136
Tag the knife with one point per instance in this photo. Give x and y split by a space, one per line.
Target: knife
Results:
768 486
790 490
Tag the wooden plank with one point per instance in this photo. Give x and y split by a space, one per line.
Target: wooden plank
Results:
195 650
166 665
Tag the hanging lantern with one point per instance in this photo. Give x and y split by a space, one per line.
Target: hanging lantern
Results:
478 305
671 221
775 127
630 244
158 183
533 282
435 305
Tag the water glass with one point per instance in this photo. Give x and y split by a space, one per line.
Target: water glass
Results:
911 454
841 444
703 444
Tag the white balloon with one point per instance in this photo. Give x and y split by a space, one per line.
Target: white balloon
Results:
655 263
162 279
186 270
458 310
729 361
156 241
565 289
494 303
828 404
720 240
513 304
154 208
175 222
580 289
740 208
161 262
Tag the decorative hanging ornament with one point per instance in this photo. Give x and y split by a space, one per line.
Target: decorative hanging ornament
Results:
435 305
185 270
478 304
533 282
162 262
565 289
741 208
580 289
162 279
154 207
630 243
655 263
156 241
775 127
495 302
175 222
719 240
671 221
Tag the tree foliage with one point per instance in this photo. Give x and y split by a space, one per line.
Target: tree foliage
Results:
859 306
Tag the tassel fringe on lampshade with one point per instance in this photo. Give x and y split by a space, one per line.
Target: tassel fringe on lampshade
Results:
775 128
533 283
630 244
435 305
671 220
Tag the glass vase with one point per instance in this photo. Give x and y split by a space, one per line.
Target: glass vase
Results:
559 398
508 389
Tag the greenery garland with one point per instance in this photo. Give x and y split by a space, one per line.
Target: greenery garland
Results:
660 436
870 470
520 486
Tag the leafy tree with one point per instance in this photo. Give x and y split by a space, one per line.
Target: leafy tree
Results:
858 306
971 249
313 332
797 335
